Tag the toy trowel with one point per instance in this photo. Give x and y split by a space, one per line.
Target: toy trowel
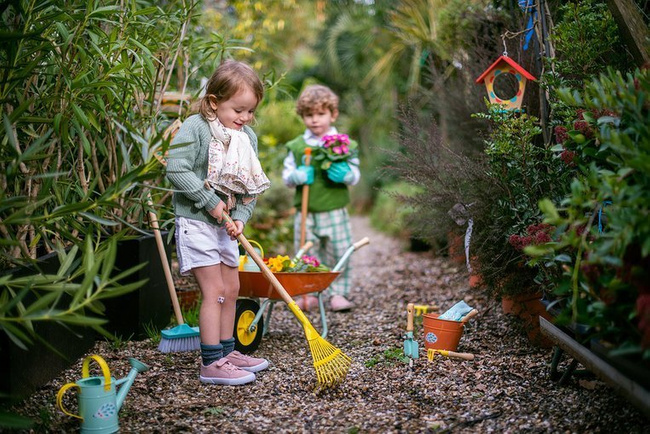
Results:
410 345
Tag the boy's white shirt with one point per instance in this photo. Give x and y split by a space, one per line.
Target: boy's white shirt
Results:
314 141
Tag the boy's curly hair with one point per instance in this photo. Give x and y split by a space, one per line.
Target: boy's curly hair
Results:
315 97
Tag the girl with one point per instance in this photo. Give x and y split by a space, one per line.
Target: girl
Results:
213 165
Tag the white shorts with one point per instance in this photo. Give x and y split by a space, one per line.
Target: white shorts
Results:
200 244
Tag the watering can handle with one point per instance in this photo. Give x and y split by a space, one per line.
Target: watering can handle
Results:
59 399
85 371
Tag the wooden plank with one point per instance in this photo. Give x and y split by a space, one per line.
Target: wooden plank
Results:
629 389
632 28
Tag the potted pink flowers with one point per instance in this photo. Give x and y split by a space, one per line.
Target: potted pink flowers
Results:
336 148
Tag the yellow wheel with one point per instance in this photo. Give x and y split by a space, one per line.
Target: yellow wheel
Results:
247 340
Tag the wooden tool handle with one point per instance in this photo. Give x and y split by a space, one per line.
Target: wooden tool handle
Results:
409 317
305 201
362 242
464 356
260 263
472 313
153 221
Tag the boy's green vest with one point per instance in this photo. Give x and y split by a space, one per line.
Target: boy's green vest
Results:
324 194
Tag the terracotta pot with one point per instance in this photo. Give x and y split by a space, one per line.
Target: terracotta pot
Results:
529 308
189 299
456 247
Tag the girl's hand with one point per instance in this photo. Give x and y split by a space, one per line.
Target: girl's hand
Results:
235 229
217 212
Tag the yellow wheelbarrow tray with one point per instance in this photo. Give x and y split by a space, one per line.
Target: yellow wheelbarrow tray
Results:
257 297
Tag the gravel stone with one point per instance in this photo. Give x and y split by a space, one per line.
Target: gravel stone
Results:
505 389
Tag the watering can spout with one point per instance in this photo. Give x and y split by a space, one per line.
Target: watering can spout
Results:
126 382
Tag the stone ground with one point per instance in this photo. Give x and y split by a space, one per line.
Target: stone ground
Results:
505 389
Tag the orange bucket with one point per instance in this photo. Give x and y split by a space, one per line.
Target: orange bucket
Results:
441 334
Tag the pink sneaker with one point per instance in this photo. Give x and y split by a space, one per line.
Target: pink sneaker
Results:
247 363
311 302
224 372
340 304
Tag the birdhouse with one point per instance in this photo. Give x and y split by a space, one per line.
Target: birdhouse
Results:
497 71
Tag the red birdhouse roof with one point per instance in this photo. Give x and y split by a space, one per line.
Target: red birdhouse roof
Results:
510 62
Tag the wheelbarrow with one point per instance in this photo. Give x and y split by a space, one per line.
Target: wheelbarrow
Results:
257 297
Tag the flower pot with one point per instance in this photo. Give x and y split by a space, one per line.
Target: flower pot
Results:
441 334
149 306
456 247
528 307
23 372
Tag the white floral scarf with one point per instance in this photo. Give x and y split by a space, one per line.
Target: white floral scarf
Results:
233 167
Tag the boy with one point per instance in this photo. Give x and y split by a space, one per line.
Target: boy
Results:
327 221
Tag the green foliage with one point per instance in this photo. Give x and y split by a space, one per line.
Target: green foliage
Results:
81 86
152 333
389 214
389 357
605 231
522 172
586 42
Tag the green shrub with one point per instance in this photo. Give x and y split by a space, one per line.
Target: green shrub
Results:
605 230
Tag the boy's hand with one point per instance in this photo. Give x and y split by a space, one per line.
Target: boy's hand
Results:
302 175
340 172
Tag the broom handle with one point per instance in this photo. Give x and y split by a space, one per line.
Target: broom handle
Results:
305 201
260 263
153 220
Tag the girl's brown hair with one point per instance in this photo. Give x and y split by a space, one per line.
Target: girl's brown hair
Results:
229 78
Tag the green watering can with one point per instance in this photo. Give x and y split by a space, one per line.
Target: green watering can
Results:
99 402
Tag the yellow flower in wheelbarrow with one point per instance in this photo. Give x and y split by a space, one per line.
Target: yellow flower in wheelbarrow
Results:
279 263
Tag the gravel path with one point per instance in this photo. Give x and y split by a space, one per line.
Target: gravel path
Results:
505 389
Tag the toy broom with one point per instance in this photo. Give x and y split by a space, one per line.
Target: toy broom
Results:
182 337
331 364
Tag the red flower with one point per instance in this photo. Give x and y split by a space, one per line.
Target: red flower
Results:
568 157
561 135
584 128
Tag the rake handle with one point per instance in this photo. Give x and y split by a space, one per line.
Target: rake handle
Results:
304 204
446 353
260 263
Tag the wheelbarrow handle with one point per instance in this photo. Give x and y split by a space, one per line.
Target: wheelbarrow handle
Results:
356 246
308 245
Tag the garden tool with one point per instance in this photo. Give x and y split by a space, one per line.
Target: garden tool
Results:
99 401
182 337
331 364
411 348
432 352
472 313
456 312
304 205
421 309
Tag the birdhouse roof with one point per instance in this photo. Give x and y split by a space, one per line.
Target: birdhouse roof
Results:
510 62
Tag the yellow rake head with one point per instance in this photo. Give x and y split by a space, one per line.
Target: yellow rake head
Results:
331 364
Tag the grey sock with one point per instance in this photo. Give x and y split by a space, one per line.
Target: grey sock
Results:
211 353
228 346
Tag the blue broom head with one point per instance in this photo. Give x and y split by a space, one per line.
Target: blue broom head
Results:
180 332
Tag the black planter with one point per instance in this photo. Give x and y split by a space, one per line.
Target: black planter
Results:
129 314
24 371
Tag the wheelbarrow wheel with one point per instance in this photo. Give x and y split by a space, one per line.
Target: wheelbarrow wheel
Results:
246 340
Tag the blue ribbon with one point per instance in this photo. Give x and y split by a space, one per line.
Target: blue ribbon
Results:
600 215
528 6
